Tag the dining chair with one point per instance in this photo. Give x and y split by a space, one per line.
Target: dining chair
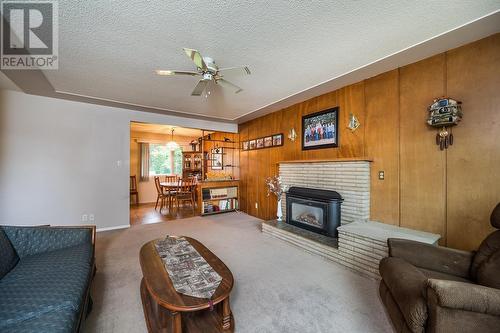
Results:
194 187
161 196
185 192
171 179
133 189
170 190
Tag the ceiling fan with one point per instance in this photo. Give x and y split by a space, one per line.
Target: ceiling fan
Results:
209 72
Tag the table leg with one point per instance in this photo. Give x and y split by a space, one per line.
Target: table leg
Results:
176 322
226 314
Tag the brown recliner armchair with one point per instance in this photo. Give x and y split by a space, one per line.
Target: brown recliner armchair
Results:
428 288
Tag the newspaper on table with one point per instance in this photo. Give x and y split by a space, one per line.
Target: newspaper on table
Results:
190 273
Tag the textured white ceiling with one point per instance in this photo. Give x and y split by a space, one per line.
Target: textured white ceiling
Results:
109 49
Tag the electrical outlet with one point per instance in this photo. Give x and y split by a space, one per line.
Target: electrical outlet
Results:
381 175
256 205
85 218
91 217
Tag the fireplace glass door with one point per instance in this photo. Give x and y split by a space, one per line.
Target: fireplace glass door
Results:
309 213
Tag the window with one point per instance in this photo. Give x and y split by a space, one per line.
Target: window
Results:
163 161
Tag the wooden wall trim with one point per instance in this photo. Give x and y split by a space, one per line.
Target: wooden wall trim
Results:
345 159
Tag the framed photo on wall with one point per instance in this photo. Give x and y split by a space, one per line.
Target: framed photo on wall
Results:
320 129
277 140
217 158
268 141
252 144
245 145
260 143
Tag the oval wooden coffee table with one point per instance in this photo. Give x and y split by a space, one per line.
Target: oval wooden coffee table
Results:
166 310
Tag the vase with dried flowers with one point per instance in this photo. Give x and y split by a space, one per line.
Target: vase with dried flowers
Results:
275 186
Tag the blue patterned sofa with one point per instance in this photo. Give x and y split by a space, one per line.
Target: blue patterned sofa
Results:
45 278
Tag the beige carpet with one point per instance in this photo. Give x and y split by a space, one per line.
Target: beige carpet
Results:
278 287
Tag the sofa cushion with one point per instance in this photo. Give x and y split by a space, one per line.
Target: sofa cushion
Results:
442 276
43 283
8 257
407 286
60 321
488 273
29 241
488 247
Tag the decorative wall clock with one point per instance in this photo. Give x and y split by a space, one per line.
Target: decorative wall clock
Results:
444 113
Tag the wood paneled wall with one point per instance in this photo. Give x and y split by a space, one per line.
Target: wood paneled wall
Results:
448 192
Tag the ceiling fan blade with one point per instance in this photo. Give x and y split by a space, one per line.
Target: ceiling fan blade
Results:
198 90
172 73
242 70
197 58
227 84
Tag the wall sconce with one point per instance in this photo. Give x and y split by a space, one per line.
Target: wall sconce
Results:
353 122
292 135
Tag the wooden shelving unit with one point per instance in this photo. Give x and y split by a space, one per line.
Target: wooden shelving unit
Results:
219 195
192 164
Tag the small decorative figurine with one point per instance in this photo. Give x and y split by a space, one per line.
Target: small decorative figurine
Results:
443 114
276 187
194 144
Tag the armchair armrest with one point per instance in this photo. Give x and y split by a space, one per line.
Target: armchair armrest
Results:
465 296
33 240
436 258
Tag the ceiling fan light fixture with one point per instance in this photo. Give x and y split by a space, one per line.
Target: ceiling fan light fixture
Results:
209 71
164 72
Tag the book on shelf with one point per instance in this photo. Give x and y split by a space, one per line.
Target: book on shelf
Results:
222 205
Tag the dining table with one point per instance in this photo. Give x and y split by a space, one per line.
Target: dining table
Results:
169 185
172 187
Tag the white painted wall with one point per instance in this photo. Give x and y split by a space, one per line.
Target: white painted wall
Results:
61 159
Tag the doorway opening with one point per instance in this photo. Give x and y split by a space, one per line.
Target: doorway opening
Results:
173 168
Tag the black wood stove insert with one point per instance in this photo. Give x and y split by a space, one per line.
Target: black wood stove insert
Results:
314 210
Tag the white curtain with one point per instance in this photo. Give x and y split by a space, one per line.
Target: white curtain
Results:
144 167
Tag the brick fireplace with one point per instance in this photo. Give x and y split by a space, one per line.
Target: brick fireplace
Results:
350 178
361 243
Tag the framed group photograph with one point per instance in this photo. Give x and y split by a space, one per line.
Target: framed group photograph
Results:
320 130
270 141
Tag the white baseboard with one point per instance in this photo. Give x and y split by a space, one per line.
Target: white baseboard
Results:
123 226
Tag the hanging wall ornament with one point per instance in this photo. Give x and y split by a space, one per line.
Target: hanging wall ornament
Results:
444 113
353 122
